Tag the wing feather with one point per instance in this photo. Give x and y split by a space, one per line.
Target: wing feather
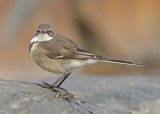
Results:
61 47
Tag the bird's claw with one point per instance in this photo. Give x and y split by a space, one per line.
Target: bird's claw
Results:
58 91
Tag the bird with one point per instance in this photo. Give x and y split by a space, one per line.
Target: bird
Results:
60 55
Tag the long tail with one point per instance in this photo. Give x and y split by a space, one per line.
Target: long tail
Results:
123 62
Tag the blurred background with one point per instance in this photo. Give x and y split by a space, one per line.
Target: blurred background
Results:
118 29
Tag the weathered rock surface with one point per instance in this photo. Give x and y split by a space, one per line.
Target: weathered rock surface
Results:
95 95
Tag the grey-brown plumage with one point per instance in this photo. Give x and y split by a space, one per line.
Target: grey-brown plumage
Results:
58 54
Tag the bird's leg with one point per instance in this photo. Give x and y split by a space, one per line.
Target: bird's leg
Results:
59 79
60 82
55 87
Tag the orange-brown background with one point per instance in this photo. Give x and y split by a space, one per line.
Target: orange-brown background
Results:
119 29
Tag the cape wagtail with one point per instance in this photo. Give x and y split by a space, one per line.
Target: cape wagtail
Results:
58 54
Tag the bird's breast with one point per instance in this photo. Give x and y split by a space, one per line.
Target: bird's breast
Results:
57 65
51 65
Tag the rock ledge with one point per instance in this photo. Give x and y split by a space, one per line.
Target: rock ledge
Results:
98 95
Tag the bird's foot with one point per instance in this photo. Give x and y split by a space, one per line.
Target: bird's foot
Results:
58 91
44 85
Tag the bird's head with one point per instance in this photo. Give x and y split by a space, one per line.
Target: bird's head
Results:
44 33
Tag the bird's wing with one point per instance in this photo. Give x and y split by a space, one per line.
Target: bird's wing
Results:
65 48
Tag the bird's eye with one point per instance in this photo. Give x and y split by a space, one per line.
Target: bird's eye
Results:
48 31
38 31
